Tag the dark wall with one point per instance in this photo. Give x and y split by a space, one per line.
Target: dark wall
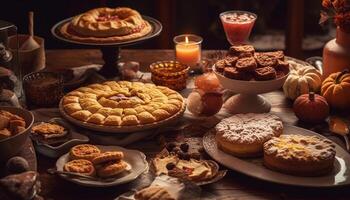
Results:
178 16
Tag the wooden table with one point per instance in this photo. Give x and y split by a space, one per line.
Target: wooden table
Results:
233 186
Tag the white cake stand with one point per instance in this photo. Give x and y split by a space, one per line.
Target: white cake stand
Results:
247 98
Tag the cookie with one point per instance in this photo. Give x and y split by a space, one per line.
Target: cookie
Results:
153 192
80 166
111 168
237 50
232 72
265 60
108 156
84 151
265 73
246 64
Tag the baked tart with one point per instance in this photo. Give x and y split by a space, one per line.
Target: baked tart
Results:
84 151
106 25
122 103
80 166
300 155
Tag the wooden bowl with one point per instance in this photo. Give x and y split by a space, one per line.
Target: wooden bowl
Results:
11 146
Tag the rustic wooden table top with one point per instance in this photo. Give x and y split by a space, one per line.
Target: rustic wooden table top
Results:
233 186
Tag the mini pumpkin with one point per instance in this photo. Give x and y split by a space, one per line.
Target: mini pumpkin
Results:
302 79
311 108
336 89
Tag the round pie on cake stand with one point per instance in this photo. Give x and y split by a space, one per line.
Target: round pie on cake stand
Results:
248 98
110 50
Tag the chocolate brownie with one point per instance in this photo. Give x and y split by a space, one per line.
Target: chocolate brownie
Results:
246 64
220 65
282 66
265 73
230 61
241 49
265 60
233 73
277 54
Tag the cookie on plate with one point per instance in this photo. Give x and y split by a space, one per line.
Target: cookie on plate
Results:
84 151
246 64
300 155
80 166
108 156
111 168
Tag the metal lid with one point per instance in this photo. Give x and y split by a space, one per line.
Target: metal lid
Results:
4 25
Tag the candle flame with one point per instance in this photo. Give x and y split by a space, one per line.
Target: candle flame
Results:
186 39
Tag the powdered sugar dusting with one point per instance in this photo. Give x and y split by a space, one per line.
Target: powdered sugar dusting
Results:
249 128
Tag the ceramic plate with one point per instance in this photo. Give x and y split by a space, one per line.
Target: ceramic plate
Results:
255 168
136 159
123 129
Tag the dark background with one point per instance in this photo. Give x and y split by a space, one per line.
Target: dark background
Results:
190 16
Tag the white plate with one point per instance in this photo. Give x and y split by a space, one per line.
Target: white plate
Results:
123 129
136 159
255 168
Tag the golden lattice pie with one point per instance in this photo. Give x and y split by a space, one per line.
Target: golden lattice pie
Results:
299 155
243 135
106 25
122 103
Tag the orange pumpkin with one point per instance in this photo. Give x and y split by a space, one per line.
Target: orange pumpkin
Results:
336 89
312 108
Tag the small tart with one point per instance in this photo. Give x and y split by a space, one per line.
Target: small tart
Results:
84 151
49 130
108 156
300 155
80 166
111 168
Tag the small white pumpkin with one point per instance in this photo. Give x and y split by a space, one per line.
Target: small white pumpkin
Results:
302 79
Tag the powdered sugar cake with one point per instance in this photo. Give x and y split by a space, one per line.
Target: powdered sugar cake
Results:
243 135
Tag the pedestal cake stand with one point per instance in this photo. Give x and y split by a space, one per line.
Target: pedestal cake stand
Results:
110 51
248 98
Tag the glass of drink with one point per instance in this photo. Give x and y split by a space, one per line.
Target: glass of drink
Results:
237 25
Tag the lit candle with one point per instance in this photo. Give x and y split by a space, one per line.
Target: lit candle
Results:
188 49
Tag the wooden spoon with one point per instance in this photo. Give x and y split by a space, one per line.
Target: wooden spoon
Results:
338 126
30 44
